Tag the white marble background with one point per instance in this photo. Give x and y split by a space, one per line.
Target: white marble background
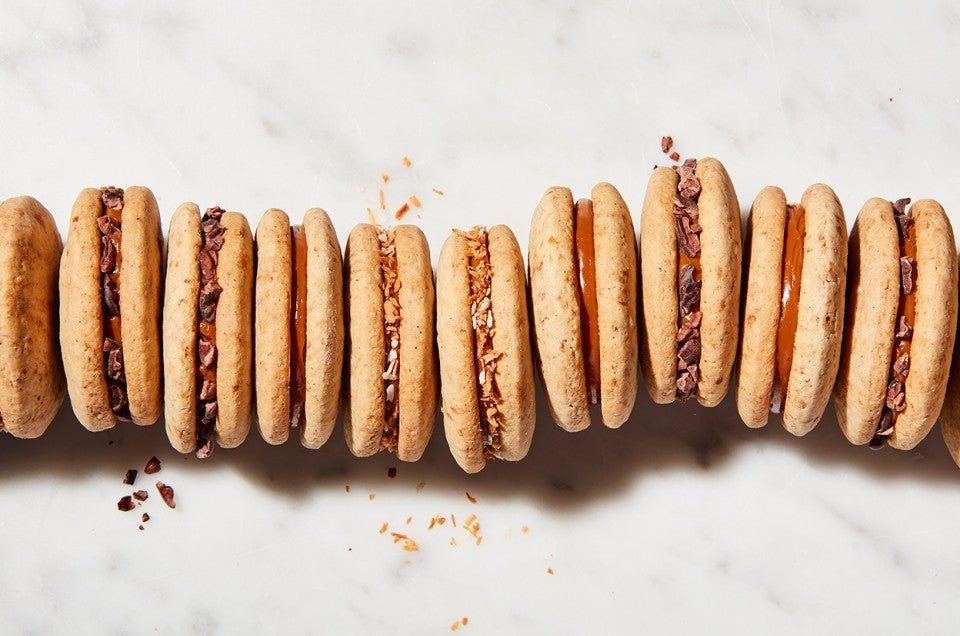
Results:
683 520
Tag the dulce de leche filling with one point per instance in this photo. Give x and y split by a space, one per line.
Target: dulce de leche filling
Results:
110 240
895 400
298 323
586 271
689 278
793 238
485 356
390 284
211 232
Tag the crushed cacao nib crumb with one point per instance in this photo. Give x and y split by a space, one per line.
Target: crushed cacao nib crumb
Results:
675 156
141 495
905 328
686 216
484 329
112 197
118 399
212 233
906 274
900 206
111 234
153 466
130 476
166 492
126 504
145 517
390 285
666 143
902 365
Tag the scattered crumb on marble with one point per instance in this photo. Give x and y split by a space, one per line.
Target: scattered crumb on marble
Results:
392 472
455 626
406 161
401 211
385 177
414 201
525 529
383 528
346 487
549 570
453 541
370 217
421 485
383 204
438 191
130 476
153 466
372 496
409 519
409 544
470 498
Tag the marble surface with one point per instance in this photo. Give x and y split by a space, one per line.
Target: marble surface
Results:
683 521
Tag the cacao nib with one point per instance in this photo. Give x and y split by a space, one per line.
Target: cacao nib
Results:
208 353
108 226
689 290
902 365
904 223
109 344
687 237
111 297
210 411
906 274
126 504
900 206
115 365
208 390
145 518
112 197
905 329
689 353
108 255
153 466
209 296
141 495
166 492
894 390
118 399
686 383
208 264
666 143
130 476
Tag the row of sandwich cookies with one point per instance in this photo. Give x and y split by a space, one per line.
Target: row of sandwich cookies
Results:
901 318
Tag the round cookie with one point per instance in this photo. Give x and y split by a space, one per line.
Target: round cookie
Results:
720 262
188 300
322 360
873 298
33 385
819 309
482 323
557 316
112 263
404 305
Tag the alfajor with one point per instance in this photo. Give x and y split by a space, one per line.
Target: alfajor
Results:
950 415
208 329
690 258
31 374
793 313
298 327
483 337
110 292
583 289
391 395
900 323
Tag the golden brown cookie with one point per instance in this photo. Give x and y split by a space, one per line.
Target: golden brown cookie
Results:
793 314
32 386
900 323
208 329
390 397
690 256
486 369
299 327
583 269
110 292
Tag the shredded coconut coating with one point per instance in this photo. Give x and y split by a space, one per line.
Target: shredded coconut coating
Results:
390 284
486 357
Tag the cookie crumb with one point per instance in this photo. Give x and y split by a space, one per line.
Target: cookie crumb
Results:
414 201
550 571
525 529
408 544
372 496
437 191
385 177
383 204
455 626
130 476
383 528
409 519
370 217
401 211
153 466
406 161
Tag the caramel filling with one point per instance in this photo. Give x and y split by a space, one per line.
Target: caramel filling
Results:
212 235
586 272
689 279
485 355
298 323
110 225
390 284
895 400
793 237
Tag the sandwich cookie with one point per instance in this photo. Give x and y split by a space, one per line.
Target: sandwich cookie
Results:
583 288
486 370
391 395
690 257
900 326
950 415
31 374
299 327
793 314
110 292
208 329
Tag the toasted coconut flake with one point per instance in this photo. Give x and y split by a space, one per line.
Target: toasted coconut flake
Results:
484 328
401 211
414 201
406 162
438 191
390 285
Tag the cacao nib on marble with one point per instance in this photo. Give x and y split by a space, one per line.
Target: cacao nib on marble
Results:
126 504
166 492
